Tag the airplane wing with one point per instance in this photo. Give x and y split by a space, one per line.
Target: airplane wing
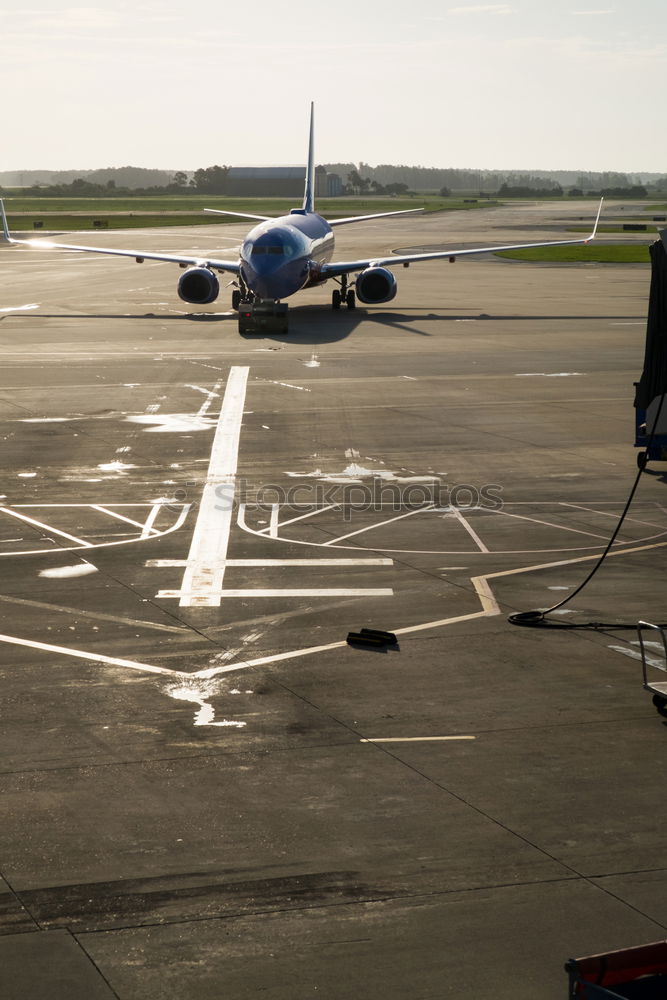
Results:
240 215
331 222
377 215
346 267
139 255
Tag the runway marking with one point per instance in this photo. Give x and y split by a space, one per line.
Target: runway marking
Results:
380 524
213 597
278 617
318 510
417 739
210 394
273 526
279 562
202 580
147 527
94 657
287 385
636 655
101 615
471 531
431 508
121 517
550 524
40 524
490 607
82 568
609 513
185 509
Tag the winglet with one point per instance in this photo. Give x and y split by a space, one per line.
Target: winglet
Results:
597 219
309 192
5 227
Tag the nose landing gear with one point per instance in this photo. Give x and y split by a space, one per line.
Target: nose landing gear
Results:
344 294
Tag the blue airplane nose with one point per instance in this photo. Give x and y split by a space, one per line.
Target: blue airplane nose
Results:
275 263
274 277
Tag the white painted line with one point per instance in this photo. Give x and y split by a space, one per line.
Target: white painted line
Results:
273 526
380 524
211 395
489 605
120 517
32 506
550 524
471 531
159 563
148 526
95 615
94 657
418 739
202 580
47 527
614 514
490 608
301 517
636 655
311 562
99 545
192 598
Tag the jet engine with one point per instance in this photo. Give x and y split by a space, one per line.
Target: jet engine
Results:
198 285
376 284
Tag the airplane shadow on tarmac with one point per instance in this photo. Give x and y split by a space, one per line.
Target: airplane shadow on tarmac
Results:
317 324
324 326
321 325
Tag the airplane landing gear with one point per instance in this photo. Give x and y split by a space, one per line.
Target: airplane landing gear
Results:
240 294
344 294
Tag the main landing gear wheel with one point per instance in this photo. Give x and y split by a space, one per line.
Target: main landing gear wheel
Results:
351 300
335 299
236 299
642 459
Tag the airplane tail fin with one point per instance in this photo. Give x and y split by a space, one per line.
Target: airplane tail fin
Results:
309 191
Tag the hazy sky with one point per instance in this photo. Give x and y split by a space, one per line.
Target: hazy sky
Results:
530 83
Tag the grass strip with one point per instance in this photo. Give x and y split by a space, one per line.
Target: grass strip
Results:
626 253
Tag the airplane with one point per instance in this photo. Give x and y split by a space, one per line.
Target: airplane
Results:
281 256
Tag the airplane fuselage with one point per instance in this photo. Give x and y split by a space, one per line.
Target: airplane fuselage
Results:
281 256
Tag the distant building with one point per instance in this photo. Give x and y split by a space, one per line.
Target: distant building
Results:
279 182
333 186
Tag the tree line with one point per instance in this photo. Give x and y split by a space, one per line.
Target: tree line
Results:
362 180
207 180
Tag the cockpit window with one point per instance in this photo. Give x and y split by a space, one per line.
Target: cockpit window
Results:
263 248
279 242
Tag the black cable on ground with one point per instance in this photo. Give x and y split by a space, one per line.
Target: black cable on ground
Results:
537 619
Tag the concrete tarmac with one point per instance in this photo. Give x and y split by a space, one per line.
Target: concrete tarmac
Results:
205 791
